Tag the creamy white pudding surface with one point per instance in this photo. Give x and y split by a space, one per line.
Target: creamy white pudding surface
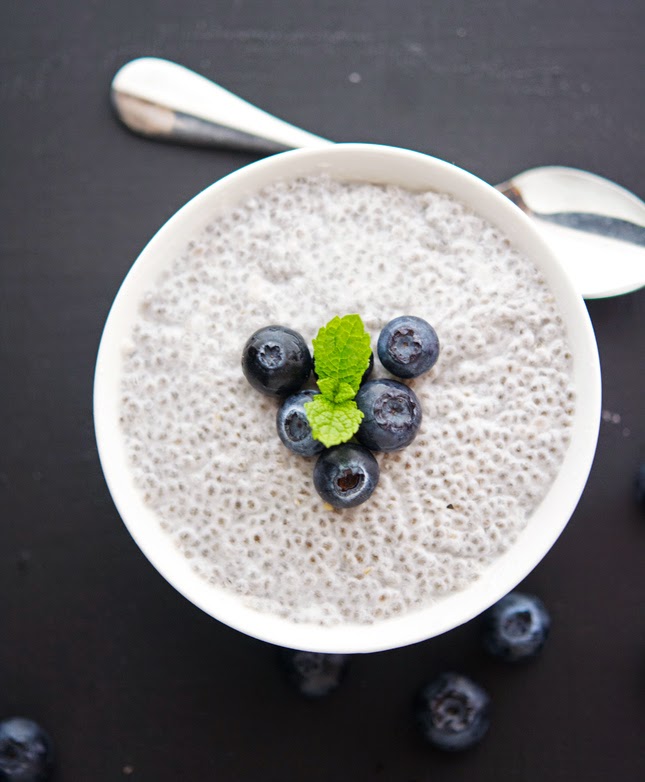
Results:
497 407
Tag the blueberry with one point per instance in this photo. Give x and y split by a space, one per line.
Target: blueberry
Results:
639 486
276 361
408 346
312 674
25 751
452 712
392 415
516 627
293 426
346 475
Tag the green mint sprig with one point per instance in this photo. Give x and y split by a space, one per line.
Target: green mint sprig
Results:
341 356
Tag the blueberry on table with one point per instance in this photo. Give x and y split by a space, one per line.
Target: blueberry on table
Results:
392 415
452 712
516 627
313 674
293 427
276 361
25 751
346 475
408 346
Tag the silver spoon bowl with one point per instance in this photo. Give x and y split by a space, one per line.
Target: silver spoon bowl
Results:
594 226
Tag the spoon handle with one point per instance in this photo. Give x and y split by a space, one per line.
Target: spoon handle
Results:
160 99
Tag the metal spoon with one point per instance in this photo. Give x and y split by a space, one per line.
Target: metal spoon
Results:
596 227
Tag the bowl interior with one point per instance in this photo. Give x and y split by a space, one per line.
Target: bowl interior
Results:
375 164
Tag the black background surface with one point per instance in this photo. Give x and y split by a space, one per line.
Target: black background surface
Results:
133 681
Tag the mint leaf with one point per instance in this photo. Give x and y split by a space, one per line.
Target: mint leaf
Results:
334 391
344 392
342 352
331 422
341 355
328 387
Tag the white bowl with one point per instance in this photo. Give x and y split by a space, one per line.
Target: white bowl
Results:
378 164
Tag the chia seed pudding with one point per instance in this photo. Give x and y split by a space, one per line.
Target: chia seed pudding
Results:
497 406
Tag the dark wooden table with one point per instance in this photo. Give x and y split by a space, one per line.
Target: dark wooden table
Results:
130 679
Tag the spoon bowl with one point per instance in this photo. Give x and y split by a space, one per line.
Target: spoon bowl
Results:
595 227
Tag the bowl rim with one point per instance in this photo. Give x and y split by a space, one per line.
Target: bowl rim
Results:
459 607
